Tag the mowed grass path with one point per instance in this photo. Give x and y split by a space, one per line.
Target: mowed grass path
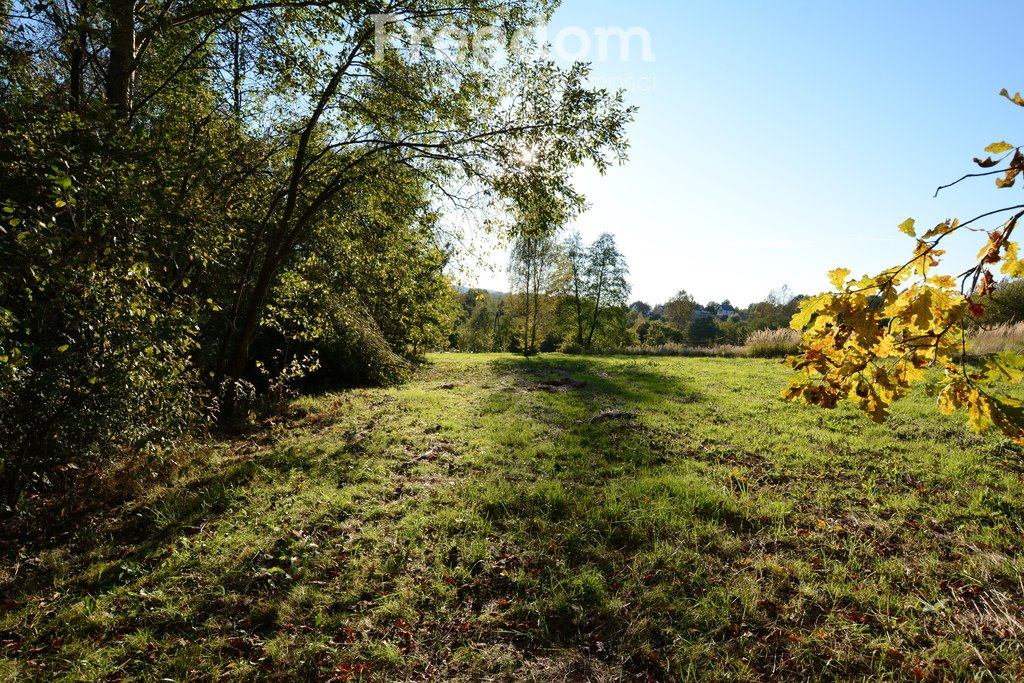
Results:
560 518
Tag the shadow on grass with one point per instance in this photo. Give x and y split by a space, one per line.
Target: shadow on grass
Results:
164 570
596 406
606 501
637 381
123 543
584 509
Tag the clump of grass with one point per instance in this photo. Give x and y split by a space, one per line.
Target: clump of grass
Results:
999 339
773 343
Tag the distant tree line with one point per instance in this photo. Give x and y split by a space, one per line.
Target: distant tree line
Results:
681 320
572 297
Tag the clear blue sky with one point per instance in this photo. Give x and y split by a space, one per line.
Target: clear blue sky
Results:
781 140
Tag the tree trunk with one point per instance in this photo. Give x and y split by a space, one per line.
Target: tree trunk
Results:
236 71
76 85
121 69
247 332
597 309
289 227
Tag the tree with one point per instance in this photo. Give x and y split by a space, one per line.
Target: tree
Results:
575 281
775 311
595 284
641 308
679 310
876 337
515 131
659 333
607 287
1005 304
189 189
702 331
531 276
478 332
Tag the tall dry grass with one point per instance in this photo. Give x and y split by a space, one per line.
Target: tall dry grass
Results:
999 339
761 344
773 343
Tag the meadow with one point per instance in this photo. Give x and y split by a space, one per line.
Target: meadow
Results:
550 519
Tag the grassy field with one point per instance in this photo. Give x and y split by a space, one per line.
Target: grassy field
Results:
554 519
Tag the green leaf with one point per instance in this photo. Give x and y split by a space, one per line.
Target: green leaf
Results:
63 347
999 147
907 227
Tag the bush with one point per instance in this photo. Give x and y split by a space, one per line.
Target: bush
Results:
761 344
717 351
95 356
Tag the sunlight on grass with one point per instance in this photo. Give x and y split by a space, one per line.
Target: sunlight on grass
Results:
517 519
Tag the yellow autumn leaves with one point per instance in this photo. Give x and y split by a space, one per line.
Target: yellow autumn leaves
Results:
872 339
876 337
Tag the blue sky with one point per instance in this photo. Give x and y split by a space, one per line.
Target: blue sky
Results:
777 141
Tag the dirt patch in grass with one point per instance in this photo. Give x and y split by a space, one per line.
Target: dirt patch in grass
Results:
555 385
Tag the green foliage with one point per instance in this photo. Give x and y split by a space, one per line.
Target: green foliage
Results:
592 289
678 311
775 311
95 349
702 331
1005 304
659 333
532 273
485 325
210 200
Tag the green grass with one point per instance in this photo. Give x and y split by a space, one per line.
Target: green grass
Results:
561 518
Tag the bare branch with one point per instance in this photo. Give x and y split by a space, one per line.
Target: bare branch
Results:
969 175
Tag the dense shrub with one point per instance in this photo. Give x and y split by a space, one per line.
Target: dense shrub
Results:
95 349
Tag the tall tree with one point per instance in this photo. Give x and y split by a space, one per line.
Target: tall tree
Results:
607 284
532 269
595 282
576 263
679 309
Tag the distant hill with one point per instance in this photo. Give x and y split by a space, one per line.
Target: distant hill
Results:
462 289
